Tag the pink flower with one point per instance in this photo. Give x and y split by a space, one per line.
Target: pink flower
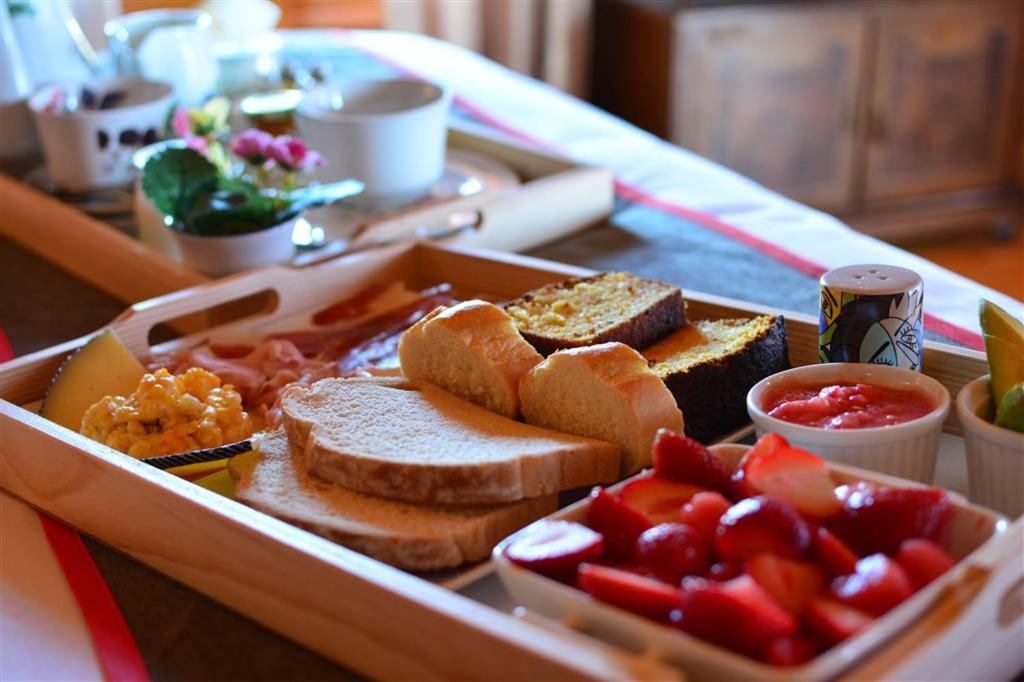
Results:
198 143
291 154
252 145
180 123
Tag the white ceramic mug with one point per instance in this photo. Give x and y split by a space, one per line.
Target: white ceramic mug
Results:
170 45
389 134
89 149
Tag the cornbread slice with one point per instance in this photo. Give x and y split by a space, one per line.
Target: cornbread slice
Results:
606 392
612 306
410 440
710 365
473 350
274 480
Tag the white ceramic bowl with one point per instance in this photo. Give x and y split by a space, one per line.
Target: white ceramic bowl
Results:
389 134
219 256
995 455
971 529
90 149
907 450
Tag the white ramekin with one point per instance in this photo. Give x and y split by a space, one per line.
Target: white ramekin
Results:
995 455
907 450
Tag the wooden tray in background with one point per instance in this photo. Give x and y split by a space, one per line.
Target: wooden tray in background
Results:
556 197
359 612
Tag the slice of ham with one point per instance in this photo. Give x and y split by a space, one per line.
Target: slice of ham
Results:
262 372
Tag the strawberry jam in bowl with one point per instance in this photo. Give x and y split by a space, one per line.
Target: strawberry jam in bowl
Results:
877 417
746 563
846 406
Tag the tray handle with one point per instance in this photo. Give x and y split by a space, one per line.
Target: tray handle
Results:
135 324
631 666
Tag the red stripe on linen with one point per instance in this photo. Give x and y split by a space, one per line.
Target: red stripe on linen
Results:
638 195
115 647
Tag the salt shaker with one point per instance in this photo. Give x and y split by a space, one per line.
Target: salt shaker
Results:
872 314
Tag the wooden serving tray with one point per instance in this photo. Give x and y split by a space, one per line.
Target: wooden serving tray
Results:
556 197
366 615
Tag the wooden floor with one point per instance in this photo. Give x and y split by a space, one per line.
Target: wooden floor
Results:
999 265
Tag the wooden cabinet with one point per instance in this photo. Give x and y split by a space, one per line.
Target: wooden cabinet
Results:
941 103
777 98
882 111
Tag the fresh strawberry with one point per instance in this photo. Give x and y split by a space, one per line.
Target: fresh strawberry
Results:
737 614
830 622
773 468
765 446
704 511
617 523
683 459
658 499
673 550
789 651
791 583
923 561
878 519
878 585
833 553
762 524
724 570
555 548
629 591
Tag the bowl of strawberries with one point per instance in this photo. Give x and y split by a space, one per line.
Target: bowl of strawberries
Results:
736 562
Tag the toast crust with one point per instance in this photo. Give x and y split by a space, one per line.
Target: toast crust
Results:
386 442
404 535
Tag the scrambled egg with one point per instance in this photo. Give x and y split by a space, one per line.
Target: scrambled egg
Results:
169 414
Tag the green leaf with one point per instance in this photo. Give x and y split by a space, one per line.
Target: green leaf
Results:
235 207
173 178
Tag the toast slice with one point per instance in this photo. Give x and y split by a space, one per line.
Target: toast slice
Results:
410 440
612 306
605 391
274 480
709 366
473 350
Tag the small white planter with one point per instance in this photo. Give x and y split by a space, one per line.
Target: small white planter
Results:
995 455
219 256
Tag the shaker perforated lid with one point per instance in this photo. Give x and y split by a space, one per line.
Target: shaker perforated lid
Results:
871 279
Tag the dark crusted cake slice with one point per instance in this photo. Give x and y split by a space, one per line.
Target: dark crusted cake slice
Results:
710 365
612 306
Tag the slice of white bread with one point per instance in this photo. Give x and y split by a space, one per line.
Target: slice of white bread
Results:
410 440
473 350
273 479
605 391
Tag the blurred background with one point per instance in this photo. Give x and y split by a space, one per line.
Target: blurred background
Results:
905 118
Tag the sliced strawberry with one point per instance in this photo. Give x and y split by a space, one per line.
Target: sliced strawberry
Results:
791 583
791 474
766 445
737 614
878 585
724 570
683 459
789 651
762 524
833 554
878 519
629 591
923 561
617 523
659 500
830 622
555 548
704 511
673 550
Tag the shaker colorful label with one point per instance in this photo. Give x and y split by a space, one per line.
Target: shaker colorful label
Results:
880 329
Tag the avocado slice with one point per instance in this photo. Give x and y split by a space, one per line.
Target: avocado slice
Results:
1010 414
1004 345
